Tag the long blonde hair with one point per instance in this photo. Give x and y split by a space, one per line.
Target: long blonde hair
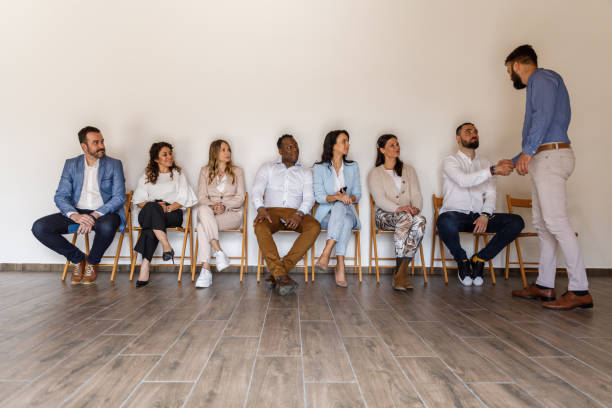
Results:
213 164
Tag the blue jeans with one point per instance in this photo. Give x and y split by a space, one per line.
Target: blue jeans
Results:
48 230
505 226
339 222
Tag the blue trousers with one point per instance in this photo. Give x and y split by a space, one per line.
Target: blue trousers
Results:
505 226
48 230
339 222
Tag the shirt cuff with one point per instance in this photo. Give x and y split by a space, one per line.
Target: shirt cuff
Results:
101 214
68 214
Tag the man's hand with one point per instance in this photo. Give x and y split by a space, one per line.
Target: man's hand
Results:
480 225
294 221
504 167
522 164
85 222
262 215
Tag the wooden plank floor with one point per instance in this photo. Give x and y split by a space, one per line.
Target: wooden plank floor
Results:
239 345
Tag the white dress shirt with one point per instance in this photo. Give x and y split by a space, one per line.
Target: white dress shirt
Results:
90 197
339 178
170 190
277 185
468 184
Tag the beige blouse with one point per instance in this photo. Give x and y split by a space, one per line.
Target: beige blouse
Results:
385 194
232 196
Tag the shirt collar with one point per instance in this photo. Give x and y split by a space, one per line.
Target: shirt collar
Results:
465 156
94 167
279 161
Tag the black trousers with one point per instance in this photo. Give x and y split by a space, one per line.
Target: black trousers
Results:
48 230
152 217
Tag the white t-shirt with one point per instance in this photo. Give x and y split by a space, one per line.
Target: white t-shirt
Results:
396 179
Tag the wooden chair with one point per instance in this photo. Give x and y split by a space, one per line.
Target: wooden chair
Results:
260 262
128 222
356 259
187 231
244 264
373 244
437 204
521 203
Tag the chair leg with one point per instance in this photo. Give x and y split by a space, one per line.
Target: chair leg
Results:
87 244
246 252
376 256
433 250
242 258
370 257
521 264
507 268
312 260
443 260
74 237
491 269
194 260
117 257
259 262
423 262
306 267
358 255
134 256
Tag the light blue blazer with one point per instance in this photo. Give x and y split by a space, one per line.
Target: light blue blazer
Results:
324 185
110 181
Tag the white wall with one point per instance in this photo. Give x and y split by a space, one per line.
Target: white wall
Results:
191 71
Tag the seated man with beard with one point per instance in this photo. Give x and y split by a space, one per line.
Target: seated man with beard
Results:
469 203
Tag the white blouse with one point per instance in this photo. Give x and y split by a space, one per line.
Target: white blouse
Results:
170 190
339 178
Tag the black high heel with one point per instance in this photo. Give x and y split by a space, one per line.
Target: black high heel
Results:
168 255
140 283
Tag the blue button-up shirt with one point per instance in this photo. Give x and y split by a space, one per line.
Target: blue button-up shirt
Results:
547 111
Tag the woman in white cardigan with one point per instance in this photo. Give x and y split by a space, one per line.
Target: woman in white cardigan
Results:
162 193
398 200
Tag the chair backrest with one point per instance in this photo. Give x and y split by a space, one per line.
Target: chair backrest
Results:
127 208
437 204
517 202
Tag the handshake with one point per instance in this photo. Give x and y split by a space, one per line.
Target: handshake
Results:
504 167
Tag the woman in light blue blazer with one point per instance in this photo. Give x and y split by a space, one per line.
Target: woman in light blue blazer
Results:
336 188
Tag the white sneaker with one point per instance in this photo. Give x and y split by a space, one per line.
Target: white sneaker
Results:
222 260
478 281
466 281
205 279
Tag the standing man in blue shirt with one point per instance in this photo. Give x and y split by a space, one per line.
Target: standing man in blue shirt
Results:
549 159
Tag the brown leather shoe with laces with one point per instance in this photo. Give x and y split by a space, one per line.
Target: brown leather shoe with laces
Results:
77 272
533 292
90 275
570 301
401 281
270 282
285 285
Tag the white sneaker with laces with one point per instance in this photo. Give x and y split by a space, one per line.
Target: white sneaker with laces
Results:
222 260
205 279
478 281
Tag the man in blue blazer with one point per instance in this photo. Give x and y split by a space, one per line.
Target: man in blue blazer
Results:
90 196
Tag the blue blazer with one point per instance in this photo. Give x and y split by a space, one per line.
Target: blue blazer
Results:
110 181
324 185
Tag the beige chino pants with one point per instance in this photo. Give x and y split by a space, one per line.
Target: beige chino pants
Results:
549 172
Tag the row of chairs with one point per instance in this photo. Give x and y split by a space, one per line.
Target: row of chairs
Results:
187 230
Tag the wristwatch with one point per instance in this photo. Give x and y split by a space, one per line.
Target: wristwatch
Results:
486 214
492 170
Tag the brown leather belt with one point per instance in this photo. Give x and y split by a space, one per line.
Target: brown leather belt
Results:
552 146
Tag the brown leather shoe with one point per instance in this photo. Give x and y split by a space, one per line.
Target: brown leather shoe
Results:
533 292
77 272
401 281
570 301
270 282
285 285
90 275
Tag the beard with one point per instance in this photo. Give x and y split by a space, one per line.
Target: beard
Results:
97 153
516 81
470 145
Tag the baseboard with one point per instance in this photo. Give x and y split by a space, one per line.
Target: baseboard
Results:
124 268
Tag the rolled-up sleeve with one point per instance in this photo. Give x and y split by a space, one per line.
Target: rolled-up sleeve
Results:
259 187
307 192
453 171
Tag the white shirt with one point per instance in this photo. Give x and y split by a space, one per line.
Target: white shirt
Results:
468 185
339 178
170 190
396 179
221 183
90 197
287 187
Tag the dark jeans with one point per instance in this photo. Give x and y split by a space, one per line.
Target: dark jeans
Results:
152 217
505 226
48 230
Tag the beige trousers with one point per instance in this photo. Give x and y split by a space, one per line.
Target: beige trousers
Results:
549 172
209 225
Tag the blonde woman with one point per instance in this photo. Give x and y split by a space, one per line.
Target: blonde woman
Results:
221 205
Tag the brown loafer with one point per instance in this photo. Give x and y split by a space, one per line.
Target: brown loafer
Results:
570 301
285 285
270 282
401 281
533 292
90 275
77 272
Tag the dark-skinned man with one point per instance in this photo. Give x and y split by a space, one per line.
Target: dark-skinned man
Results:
283 196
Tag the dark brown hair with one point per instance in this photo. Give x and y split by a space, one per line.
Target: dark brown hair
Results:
380 158
152 170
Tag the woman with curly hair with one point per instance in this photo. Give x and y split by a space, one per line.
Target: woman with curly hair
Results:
221 205
162 194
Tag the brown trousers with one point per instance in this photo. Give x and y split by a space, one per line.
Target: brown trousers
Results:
308 229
